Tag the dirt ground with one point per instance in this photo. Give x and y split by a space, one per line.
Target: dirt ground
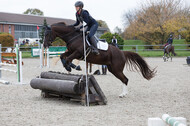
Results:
168 92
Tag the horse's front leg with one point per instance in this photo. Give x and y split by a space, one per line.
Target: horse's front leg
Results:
68 61
64 62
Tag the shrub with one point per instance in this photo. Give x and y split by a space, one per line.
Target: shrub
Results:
6 40
187 39
58 42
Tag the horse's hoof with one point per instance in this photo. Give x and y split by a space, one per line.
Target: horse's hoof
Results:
122 95
68 69
78 68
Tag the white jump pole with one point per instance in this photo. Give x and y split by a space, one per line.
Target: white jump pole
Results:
4 64
18 63
171 121
87 90
15 71
20 59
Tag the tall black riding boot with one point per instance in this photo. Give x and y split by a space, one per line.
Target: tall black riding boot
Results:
94 45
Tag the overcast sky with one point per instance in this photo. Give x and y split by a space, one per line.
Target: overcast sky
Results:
110 11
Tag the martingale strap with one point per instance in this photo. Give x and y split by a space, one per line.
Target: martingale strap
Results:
89 49
71 40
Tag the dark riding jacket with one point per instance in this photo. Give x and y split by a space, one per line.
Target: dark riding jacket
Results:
170 40
86 17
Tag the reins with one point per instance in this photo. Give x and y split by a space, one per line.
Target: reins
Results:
70 40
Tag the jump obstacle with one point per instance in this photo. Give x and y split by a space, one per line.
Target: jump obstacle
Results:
45 55
18 66
69 86
12 55
167 121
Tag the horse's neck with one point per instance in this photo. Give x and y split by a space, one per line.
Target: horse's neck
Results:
67 36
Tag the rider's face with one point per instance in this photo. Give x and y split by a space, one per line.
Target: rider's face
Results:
77 8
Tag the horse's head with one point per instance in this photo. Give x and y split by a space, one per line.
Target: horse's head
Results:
49 37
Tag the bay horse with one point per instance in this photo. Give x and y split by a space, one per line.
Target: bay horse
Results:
114 58
168 53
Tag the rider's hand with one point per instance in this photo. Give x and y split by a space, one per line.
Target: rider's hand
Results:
70 25
77 29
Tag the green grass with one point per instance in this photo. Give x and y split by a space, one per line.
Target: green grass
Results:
26 55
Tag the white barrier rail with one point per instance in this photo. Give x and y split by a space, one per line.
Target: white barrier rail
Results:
8 70
4 82
18 66
5 64
173 121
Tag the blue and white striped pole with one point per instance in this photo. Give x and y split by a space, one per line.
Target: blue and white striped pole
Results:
171 121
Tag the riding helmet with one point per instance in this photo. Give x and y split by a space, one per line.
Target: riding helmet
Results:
79 4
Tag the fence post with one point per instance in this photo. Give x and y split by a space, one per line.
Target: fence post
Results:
136 48
18 62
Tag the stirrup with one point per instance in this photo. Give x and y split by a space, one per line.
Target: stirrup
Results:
95 51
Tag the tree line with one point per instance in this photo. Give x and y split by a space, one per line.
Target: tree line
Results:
154 21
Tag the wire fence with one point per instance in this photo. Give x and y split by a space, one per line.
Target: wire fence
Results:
135 48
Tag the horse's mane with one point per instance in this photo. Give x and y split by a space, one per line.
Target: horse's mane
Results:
59 23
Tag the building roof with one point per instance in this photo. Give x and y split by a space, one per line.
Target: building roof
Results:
12 18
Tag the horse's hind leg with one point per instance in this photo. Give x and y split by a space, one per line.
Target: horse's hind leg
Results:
119 74
164 57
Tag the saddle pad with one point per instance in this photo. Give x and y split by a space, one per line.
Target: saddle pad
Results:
102 45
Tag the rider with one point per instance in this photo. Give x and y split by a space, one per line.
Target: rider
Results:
169 42
92 25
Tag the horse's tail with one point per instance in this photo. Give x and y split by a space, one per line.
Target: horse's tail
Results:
136 61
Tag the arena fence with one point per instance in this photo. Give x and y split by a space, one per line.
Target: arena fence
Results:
137 48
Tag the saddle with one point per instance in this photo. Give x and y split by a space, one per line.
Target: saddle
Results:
101 43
